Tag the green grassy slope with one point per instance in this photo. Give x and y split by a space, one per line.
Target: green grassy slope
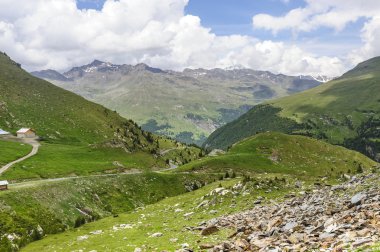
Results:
31 210
166 216
11 151
343 111
278 153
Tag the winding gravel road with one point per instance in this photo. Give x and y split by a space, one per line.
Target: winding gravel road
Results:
34 143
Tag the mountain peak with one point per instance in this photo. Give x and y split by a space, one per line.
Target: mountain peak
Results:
96 63
50 75
145 67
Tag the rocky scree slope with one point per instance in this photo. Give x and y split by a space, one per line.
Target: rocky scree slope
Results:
338 218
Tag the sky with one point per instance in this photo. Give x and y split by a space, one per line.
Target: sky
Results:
293 37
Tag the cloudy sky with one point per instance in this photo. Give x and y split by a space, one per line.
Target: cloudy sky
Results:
284 36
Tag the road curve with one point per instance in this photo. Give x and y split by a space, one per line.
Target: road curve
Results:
34 151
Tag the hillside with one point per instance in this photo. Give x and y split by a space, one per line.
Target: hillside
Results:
343 111
277 153
186 105
78 137
31 210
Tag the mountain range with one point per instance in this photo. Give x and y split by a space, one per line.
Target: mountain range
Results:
186 105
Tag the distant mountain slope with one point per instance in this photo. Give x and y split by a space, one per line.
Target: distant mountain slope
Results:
186 105
344 111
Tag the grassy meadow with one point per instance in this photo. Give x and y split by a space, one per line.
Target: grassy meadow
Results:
10 151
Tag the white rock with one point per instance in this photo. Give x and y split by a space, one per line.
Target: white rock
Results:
82 238
157 234
96 232
173 240
188 214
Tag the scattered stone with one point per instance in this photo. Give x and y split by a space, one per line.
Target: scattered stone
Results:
358 198
173 240
298 184
361 242
209 230
96 232
290 226
206 246
213 212
82 238
185 245
188 214
157 235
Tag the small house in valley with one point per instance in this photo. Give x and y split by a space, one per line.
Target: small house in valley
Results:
4 185
26 133
4 133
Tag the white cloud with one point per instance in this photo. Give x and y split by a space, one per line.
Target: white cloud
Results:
55 34
334 14
371 38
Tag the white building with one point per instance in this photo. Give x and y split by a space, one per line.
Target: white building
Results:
26 133
4 133
4 185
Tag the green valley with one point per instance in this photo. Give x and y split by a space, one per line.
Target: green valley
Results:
186 105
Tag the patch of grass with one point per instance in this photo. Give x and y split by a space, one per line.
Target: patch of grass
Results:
59 160
10 151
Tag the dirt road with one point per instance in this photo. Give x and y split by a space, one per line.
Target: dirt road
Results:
33 142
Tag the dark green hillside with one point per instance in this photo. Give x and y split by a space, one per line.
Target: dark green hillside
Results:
277 153
344 111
